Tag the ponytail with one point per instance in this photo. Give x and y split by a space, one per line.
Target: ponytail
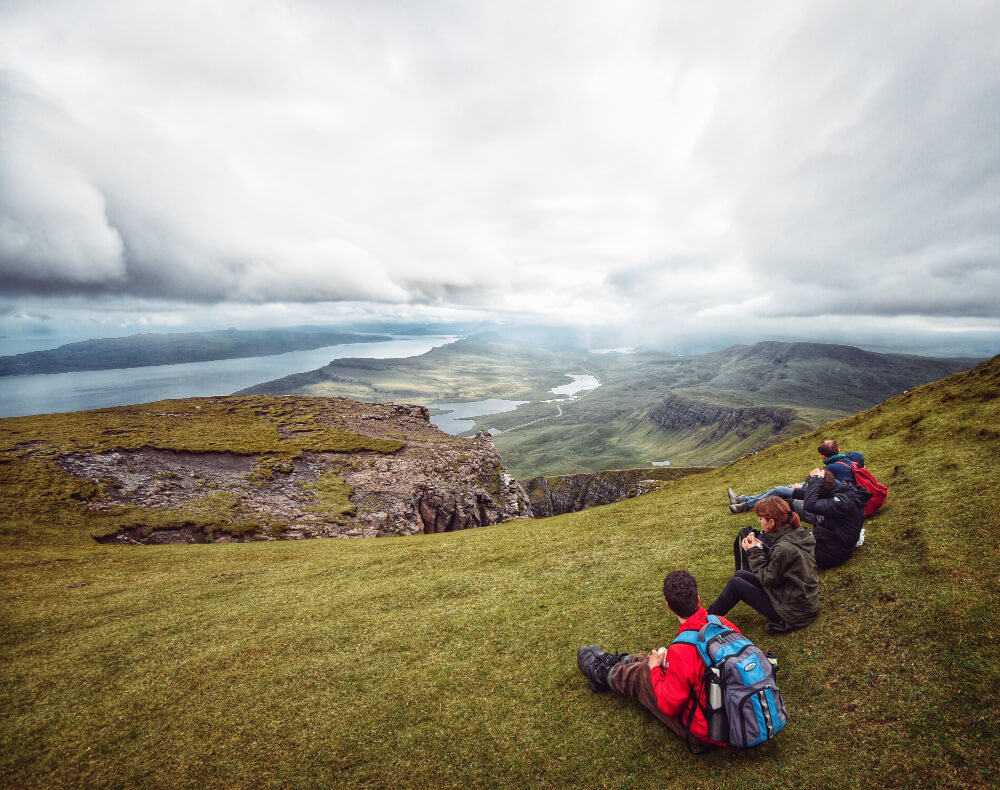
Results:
778 510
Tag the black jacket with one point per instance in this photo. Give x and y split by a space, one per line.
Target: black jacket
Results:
843 512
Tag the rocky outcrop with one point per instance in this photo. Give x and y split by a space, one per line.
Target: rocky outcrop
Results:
679 414
433 483
552 496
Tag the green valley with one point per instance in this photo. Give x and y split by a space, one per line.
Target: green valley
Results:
700 410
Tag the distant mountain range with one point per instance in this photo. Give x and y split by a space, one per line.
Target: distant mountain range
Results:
176 348
699 410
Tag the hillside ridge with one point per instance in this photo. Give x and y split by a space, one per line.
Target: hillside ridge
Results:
612 427
174 348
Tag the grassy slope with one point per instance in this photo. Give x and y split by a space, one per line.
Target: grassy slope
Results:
448 660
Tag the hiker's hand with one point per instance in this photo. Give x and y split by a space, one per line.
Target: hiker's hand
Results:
750 541
796 485
816 473
657 659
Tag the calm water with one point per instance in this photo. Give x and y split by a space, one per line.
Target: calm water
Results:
97 389
579 384
459 416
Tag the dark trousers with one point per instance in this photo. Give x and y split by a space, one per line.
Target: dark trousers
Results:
632 680
805 515
746 587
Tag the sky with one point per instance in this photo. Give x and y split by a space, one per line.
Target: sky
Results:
660 173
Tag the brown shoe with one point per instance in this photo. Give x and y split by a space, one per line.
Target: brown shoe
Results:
739 507
733 499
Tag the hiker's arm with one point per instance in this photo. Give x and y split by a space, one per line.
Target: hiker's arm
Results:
821 507
768 567
672 691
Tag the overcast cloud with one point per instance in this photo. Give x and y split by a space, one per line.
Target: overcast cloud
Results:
732 170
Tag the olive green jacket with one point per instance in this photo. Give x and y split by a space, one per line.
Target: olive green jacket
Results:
787 570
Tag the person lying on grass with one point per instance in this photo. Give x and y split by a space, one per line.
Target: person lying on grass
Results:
662 680
782 582
835 461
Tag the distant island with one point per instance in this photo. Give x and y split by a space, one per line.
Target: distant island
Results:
173 348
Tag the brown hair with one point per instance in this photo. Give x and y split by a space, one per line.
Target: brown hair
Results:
828 447
681 591
829 481
778 510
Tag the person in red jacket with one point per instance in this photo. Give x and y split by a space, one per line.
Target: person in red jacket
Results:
663 681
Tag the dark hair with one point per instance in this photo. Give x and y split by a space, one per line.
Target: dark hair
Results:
828 447
829 481
778 510
681 591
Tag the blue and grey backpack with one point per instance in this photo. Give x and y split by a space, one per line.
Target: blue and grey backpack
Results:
744 704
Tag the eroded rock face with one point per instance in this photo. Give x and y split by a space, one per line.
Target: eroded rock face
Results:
676 413
435 483
552 496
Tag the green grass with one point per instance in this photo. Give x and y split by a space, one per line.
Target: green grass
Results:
334 497
449 660
243 425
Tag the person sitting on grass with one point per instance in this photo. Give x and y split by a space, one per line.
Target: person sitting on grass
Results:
662 680
837 511
782 582
837 462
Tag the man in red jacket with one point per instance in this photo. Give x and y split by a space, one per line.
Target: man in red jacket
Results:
662 681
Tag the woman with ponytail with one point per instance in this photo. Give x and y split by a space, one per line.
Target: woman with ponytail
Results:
782 583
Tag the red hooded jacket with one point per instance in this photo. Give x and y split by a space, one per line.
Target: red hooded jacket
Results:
684 671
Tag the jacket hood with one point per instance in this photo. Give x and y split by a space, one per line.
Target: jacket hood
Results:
851 492
801 536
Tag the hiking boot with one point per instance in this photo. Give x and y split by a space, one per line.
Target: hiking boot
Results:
733 499
739 507
596 665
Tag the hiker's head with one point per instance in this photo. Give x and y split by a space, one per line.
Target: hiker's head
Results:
681 591
829 481
773 512
828 447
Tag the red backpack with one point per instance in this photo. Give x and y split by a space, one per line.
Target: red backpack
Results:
867 481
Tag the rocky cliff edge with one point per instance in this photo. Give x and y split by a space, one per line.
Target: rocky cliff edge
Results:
369 470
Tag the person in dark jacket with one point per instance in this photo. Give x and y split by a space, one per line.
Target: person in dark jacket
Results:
837 511
837 462
782 583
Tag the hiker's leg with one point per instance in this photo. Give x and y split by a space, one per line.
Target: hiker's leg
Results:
809 518
746 587
826 559
632 680
785 492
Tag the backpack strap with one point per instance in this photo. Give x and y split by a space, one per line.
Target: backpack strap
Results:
689 739
694 638
852 465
